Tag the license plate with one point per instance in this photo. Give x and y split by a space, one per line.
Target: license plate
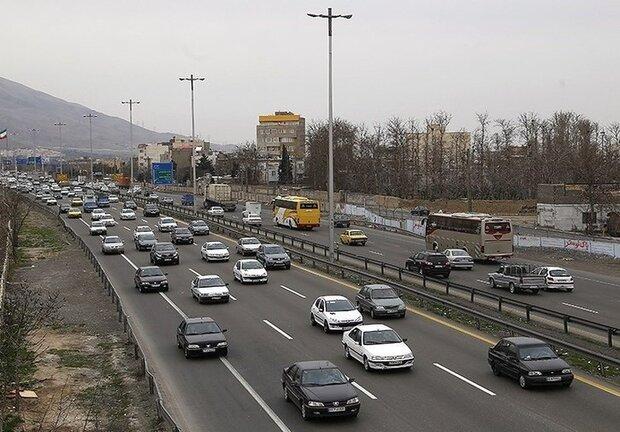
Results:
438 266
390 311
338 409
208 350
553 379
216 298
393 363
167 259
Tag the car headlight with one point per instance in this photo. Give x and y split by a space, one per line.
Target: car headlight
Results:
409 356
193 346
222 344
379 308
376 357
401 307
315 404
353 400
534 373
566 371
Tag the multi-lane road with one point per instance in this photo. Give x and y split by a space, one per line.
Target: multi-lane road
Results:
450 387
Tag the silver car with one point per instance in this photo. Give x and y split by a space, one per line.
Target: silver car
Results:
112 245
459 259
247 245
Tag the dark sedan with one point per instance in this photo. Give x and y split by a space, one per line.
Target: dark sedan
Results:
320 389
181 236
198 227
380 300
530 361
151 210
64 208
145 241
201 336
341 220
150 279
429 264
273 255
130 204
164 253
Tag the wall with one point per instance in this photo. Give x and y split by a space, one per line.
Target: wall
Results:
587 246
568 217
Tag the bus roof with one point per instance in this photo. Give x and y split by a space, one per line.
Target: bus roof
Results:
472 216
295 198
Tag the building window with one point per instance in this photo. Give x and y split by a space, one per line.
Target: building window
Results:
588 217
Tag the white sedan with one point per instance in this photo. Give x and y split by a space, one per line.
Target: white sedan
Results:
141 229
214 251
209 288
249 270
215 211
459 259
166 224
108 220
377 346
97 214
127 214
113 198
51 202
556 278
252 219
334 313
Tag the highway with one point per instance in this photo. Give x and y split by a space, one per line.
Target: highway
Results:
596 296
450 387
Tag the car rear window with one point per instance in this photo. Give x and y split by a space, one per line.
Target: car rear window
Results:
557 273
274 250
437 259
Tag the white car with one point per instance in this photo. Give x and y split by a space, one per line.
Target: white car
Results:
252 219
556 278
459 259
98 228
377 346
215 211
113 198
108 220
70 194
209 288
141 229
334 313
97 214
51 202
166 224
127 214
214 251
247 245
249 270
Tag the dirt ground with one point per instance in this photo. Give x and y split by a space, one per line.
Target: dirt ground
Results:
87 379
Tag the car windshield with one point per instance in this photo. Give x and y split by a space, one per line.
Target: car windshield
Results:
198 223
340 305
458 252
217 208
167 220
356 233
557 273
210 282
537 352
147 236
164 247
126 210
273 250
251 265
97 224
98 211
202 328
143 228
383 293
182 231
152 271
215 246
250 241
322 377
380 337
112 240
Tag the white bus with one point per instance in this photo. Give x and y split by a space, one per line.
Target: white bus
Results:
484 237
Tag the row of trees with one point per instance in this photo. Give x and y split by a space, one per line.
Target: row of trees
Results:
500 159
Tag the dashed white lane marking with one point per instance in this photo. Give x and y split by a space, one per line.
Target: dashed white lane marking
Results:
292 291
145 221
376 253
363 390
462 378
483 281
283 333
597 281
84 222
127 228
580 308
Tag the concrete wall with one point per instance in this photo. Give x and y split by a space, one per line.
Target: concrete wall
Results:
569 217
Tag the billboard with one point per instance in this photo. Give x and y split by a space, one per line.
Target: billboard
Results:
34 160
21 160
161 173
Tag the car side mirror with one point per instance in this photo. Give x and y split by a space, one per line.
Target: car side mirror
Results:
405 339
351 380
224 330
165 274
178 330
227 284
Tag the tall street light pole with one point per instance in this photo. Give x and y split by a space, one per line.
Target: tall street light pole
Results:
90 118
330 176
131 103
191 80
60 125
33 135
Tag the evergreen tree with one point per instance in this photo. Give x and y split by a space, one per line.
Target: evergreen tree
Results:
285 170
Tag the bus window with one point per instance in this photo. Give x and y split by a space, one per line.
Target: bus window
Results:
497 228
310 205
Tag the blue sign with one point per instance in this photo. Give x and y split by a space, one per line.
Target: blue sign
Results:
21 161
161 173
34 160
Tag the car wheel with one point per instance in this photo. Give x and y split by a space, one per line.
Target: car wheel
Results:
512 288
522 382
224 352
285 394
347 354
304 413
569 290
325 327
179 346
402 315
367 367
358 306
312 321
372 314
288 267
165 289
495 369
492 283
421 271
534 291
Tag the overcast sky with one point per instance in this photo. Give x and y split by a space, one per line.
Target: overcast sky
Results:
404 58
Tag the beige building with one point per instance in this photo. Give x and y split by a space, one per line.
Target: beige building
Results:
149 153
454 145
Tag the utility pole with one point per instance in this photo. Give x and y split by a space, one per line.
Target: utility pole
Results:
90 118
14 150
330 177
60 125
33 135
131 103
191 80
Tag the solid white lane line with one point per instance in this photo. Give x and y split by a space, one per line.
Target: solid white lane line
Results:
293 291
482 281
462 378
376 253
580 308
232 296
277 329
127 228
194 271
171 303
129 261
145 221
255 395
363 390
84 222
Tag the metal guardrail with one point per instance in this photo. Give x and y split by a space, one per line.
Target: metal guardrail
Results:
475 295
162 413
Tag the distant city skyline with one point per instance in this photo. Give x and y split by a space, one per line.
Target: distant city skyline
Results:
398 58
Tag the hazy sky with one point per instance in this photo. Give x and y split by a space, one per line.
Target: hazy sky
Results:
395 57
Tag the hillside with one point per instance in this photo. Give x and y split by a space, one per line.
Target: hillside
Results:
23 108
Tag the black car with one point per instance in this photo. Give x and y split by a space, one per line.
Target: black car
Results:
380 300
429 264
319 389
200 336
130 204
64 208
181 236
150 209
198 227
273 255
164 252
166 201
341 220
145 241
531 361
150 279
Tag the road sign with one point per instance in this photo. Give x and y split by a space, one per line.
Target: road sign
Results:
161 173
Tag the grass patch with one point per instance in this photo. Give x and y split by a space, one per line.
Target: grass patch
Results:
32 236
73 358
